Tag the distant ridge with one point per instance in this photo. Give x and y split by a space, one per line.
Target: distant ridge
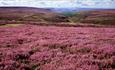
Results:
76 9
24 9
34 9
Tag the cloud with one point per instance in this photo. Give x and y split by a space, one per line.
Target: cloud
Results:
60 3
87 3
39 3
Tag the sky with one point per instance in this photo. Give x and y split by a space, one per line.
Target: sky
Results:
60 3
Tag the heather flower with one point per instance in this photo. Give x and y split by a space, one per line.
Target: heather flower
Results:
30 47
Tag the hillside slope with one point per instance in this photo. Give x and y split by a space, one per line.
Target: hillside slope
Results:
99 16
28 14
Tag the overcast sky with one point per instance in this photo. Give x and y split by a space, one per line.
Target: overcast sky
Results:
60 3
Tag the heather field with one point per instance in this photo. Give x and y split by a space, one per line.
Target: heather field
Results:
35 47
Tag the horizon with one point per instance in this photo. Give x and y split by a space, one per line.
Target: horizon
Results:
105 4
51 7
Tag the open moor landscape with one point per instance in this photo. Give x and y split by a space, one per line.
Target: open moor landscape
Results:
40 39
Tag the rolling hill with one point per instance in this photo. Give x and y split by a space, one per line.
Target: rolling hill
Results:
51 15
28 14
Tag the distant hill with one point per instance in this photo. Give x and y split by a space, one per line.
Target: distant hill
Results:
54 15
23 9
99 16
69 9
36 10
76 9
29 14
